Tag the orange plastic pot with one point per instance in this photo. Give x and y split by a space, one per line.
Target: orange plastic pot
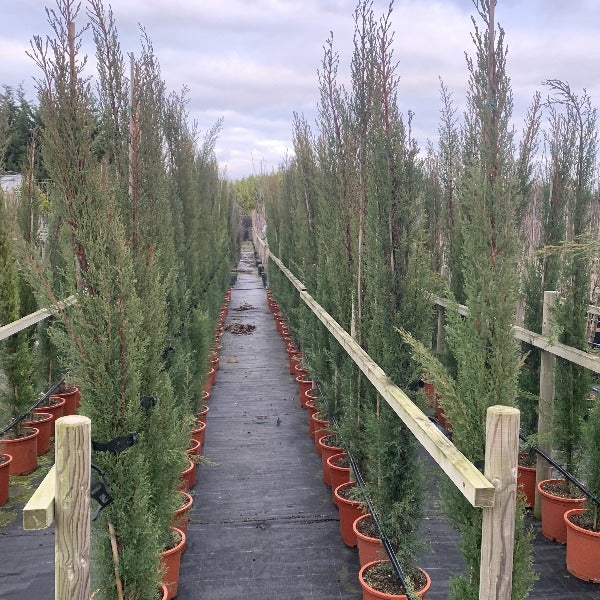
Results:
55 407
5 460
205 397
181 516
311 410
337 474
526 484
72 398
201 415
370 549
553 509
187 479
293 361
327 450
171 560
299 371
370 593
304 385
583 549
320 428
350 510
195 448
199 433
44 423
210 380
165 592
23 451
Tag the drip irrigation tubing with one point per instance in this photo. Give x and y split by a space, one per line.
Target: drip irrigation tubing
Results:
384 540
562 471
15 422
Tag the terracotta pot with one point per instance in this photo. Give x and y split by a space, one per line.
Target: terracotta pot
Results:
327 450
187 479
215 364
371 594
205 398
311 409
72 397
201 415
194 448
23 451
181 516
337 474
370 548
164 592
295 359
55 407
299 371
199 433
583 549
210 379
553 509
321 428
171 560
304 385
350 510
526 484
5 460
212 374
45 424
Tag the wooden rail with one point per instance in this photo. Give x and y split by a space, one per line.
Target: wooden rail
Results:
467 478
29 320
574 355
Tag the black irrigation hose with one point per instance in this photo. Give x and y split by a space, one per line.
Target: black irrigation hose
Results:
562 471
41 399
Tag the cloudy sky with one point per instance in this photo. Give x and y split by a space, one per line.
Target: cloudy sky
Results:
255 62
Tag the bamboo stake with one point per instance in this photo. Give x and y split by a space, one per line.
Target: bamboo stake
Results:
115 553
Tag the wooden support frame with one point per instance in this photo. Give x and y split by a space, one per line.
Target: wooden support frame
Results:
11 328
574 355
467 478
38 513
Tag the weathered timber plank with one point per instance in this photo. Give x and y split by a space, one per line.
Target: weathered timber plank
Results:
29 320
38 513
574 355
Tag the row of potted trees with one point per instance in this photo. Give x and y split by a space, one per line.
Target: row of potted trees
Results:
172 557
357 526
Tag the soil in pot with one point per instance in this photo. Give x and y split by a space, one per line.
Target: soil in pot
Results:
72 398
379 581
329 447
54 406
556 499
22 446
350 510
370 547
44 423
5 460
583 545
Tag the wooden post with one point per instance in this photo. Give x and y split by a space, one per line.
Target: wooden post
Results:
546 403
498 527
72 509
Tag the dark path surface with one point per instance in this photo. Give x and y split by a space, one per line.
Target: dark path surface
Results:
264 525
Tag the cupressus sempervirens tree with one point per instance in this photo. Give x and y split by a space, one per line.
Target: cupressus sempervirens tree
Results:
482 344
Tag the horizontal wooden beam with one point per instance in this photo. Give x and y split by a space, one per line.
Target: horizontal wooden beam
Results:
29 320
467 478
574 355
39 511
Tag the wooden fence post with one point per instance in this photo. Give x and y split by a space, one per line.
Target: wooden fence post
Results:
498 527
546 403
72 509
